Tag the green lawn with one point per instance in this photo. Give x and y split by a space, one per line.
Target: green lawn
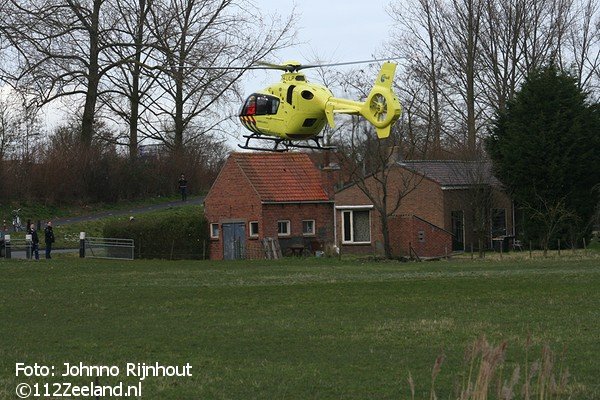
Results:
297 329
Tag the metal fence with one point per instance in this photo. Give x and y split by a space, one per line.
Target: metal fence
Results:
16 248
118 249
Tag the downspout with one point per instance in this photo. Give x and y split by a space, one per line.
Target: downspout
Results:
335 242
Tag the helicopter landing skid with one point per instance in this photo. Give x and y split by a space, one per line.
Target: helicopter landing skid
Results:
286 145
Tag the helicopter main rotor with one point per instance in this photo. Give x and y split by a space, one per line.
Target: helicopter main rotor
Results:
295 66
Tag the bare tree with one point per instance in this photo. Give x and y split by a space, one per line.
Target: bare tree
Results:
501 51
583 45
8 131
58 50
372 165
419 44
543 32
130 83
191 37
552 216
460 44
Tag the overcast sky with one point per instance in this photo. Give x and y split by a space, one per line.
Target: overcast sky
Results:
331 30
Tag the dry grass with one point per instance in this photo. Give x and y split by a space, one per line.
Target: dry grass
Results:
488 376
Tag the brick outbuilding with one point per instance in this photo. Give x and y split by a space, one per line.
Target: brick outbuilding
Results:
262 195
445 206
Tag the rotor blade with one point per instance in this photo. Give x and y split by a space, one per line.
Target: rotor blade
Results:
290 67
268 65
346 63
239 68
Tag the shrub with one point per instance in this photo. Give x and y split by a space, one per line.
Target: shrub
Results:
177 234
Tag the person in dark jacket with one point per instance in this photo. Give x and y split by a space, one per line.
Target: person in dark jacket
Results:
48 238
35 242
183 187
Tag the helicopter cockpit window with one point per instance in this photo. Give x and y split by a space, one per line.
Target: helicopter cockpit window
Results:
260 104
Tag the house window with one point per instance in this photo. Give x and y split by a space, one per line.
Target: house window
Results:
254 229
498 222
356 226
308 227
283 228
214 231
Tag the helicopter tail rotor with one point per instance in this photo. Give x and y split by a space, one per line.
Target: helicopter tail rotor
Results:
382 108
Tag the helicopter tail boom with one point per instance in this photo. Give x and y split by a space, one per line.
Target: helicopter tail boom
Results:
381 108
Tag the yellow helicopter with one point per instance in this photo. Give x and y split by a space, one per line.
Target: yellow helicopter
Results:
294 111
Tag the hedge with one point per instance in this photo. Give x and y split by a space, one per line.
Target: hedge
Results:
176 234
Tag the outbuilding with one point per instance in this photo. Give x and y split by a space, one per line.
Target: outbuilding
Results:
446 206
268 195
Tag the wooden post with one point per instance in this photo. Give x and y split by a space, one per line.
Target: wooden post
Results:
7 251
501 248
559 247
584 248
472 254
530 251
81 244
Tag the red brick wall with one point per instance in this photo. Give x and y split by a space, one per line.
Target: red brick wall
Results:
321 213
425 200
231 199
404 233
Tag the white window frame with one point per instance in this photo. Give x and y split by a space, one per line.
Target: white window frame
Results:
250 233
351 211
289 227
313 231
212 231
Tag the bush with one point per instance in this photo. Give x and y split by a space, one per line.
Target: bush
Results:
177 234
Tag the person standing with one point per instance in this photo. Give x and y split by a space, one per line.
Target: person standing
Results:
183 187
35 242
48 238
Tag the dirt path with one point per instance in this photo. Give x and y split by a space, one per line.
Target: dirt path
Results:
131 211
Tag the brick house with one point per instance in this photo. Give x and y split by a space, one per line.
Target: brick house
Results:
260 195
450 202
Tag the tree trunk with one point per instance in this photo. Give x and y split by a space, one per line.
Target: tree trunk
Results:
89 110
387 248
135 84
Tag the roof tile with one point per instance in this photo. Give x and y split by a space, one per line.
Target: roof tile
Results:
454 173
282 177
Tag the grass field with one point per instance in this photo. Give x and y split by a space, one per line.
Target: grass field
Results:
297 329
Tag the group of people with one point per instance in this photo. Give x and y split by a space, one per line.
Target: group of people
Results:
35 240
49 233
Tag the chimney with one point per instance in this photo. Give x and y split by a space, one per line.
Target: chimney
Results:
395 155
330 173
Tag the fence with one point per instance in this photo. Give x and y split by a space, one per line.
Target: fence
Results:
119 249
16 248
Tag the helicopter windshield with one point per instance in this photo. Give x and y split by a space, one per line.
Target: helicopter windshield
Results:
260 104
